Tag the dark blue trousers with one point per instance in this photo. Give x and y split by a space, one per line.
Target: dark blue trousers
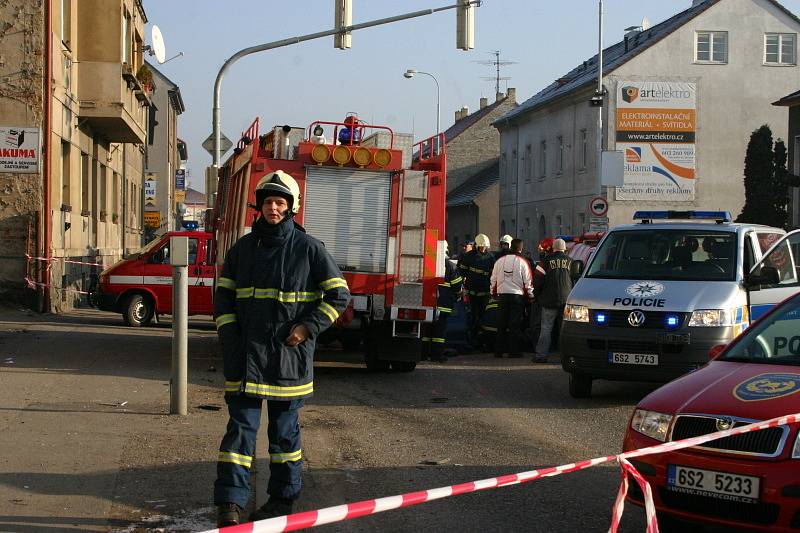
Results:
238 448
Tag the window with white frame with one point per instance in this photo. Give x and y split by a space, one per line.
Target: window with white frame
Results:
584 148
543 159
126 38
711 47
560 155
780 48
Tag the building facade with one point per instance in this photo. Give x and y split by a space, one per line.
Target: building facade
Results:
76 91
792 102
472 178
164 164
685 93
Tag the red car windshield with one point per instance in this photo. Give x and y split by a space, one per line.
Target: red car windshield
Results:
775 339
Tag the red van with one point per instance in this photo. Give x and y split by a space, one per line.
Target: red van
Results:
140 286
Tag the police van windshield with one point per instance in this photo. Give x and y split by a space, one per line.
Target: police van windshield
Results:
666 254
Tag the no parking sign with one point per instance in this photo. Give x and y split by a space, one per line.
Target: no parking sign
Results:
598 206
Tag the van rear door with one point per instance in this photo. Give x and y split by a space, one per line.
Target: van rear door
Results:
776 276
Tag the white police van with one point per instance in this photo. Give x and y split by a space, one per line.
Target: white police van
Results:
656 296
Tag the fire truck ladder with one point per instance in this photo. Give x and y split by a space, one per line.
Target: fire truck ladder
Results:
408 293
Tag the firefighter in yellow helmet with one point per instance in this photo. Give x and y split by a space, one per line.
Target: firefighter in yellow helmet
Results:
279 289
476 269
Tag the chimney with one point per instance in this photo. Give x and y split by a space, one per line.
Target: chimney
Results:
458 115
484 102
498 97
511 93
464 112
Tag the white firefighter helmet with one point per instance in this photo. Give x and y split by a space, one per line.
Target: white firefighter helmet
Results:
482 240
279 183
506 239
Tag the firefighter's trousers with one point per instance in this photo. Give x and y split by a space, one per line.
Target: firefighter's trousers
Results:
477 304
509 324
238 450
433 342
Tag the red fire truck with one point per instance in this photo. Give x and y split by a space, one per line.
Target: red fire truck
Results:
377 202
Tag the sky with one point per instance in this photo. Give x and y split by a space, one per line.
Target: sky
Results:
310 81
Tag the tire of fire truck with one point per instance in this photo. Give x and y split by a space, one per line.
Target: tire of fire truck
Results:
403 366
137 310
580 385
372 344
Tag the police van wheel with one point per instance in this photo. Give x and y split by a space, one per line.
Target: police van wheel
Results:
404 366
137 311
580 385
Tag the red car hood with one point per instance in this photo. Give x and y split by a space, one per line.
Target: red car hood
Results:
747 390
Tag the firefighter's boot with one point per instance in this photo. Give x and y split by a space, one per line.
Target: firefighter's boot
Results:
274 507
228 514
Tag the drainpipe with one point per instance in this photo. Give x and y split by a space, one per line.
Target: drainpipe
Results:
47 100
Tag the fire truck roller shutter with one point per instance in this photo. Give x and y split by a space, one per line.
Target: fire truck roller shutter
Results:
348 210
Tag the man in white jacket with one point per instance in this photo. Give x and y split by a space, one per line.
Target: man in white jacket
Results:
511 284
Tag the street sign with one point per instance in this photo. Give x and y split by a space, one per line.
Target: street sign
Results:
597 224
598 207
224 144
150 188
152 219
180 178
180 196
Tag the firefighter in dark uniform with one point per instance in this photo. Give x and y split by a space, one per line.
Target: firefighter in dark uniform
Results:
477 269
278 291
487 337
447 294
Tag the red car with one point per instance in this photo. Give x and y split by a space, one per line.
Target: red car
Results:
750 480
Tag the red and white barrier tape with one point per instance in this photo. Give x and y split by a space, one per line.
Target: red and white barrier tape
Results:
349 511
33 284
62 259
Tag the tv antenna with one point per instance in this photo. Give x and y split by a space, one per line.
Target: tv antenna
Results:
496 63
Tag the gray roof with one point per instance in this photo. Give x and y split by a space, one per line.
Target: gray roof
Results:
466 193
789 100
585 75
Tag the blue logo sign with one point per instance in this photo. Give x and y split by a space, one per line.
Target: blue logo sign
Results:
180 179
767 387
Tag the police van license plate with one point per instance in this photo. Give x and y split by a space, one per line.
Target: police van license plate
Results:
633 358
722 485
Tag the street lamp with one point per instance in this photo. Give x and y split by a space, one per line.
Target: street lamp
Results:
410 73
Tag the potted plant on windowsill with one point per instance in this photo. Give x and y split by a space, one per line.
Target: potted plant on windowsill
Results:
145 78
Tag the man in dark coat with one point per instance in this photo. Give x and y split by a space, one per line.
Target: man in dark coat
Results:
551 291
279 289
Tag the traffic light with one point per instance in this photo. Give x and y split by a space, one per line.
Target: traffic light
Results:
343 16
465 25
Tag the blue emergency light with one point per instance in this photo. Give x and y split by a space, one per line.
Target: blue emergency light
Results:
190 225
601 318
648 216
672 321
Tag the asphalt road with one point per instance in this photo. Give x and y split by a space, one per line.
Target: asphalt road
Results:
90 446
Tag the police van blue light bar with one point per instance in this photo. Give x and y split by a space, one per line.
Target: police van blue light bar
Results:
719 216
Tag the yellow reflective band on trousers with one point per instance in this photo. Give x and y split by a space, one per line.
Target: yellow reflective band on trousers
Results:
221 320
444 309
276 294
492 306
332 283
435 339
270 391
285 457
226 283
329 311
235 458
456 281
489 328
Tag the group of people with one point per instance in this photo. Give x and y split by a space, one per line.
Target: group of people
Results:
509 296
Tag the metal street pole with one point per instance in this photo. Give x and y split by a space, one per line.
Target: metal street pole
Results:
599 189
215 116
179 251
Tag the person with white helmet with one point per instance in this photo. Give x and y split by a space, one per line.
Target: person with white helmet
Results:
505 245
552 289
436 333
279 289
477 269
511 285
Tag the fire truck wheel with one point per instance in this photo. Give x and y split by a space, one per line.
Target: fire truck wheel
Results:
373 363
580 385
137 310
404 366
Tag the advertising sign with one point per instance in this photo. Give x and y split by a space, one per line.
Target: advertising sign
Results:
655 124
152 219
19 149
150 187
180 179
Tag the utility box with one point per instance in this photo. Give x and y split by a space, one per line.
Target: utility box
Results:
179 251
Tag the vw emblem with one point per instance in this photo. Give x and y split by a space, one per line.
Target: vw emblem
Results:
724 423
636 318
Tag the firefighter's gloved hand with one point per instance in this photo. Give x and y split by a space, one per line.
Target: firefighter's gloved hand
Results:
298 334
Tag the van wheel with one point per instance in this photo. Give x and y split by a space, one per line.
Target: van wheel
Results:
404 366
137 311
580 385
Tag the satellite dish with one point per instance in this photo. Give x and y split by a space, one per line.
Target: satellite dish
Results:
646 24
157 45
